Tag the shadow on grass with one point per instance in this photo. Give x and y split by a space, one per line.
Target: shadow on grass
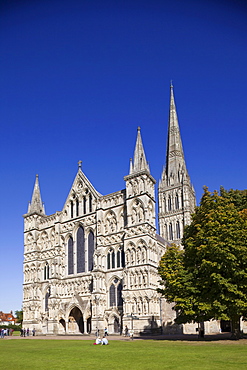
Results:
191 337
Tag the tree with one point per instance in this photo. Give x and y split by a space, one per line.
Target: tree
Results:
19 316
208 278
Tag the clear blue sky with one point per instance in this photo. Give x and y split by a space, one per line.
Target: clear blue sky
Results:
78 78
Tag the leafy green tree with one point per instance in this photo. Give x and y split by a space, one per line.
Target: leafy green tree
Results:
208 278
19 316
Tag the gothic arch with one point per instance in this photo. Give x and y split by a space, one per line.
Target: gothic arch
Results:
90 248
70 254
150 210
80 249
120 218
75 319
44 240
110 222
111 258
29 238
137 213
52 234
115 323
115 287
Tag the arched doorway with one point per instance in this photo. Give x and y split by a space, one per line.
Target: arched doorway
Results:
89 325
76 324
116 325
62 322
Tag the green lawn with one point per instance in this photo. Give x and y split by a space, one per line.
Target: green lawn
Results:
145 354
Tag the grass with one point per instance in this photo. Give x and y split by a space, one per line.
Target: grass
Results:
145 355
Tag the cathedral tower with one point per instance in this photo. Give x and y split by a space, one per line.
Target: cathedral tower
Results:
176 195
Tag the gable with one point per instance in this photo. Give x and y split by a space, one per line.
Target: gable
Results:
82 191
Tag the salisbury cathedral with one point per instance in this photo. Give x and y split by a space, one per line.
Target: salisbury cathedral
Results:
94 264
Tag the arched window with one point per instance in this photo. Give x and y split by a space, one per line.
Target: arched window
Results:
90 203
115 293
77 207
177 201
166 232
178 230
84 205
119 295
108 261
111 259
112 293
169 206
46 272
170 232
120 257
71 209
70 256
80 250
90 250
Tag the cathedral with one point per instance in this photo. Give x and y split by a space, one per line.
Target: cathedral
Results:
93 265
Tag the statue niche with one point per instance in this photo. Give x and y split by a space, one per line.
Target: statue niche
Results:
110 223
137 212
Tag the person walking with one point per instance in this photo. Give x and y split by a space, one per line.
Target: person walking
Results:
126 331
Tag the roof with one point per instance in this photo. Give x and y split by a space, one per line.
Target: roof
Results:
7 317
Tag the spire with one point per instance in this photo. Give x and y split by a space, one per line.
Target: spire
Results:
140 162
175 162
36 205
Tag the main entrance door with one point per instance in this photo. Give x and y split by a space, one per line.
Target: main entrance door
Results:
76 324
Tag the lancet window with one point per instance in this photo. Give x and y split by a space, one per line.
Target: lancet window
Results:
115 293
90 203
169 205
115 259
46 272
90 250
71 209
170 232
178 230
177 201
120 257
77 207
84 205
70 256
80 250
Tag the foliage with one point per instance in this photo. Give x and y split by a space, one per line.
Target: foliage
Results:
19 316
11 326
208 279
25 353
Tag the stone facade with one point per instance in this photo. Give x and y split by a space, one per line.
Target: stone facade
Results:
94 264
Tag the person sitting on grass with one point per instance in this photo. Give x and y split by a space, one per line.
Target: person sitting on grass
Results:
104 341
97 341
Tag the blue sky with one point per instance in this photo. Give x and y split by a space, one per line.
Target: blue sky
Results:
77 79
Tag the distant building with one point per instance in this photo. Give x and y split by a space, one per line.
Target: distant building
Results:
7 318
94 264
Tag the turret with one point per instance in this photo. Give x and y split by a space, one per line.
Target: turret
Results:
140 187
36 205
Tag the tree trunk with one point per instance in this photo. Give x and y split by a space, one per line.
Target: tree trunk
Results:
235 328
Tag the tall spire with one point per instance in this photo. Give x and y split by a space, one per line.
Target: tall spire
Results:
140 162
175 161
36 205
176 193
